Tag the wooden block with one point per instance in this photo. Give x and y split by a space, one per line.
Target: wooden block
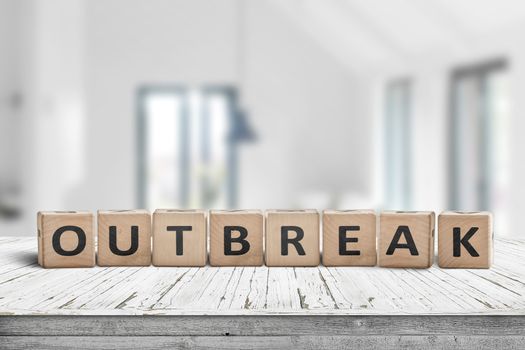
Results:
236 238
179 237
65 239
292 238
349 238
124 238
406 239
465 240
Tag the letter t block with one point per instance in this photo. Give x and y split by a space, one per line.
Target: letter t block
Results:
179 237
465 240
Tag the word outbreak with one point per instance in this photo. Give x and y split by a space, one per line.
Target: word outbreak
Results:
172 237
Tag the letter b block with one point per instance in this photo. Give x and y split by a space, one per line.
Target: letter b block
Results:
292 238
465 240
124 238
65 239
349 238
236 238
179 237
406 239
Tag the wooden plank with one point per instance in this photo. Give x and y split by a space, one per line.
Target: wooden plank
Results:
268 342
261 325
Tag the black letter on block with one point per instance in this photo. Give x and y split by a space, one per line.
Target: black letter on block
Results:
343 240
228 240
295 241
81 240
409 244
113 241
458 241
178 237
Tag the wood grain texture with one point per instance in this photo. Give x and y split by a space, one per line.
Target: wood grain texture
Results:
481 240
421 226
48 222
308 222
124 220
250 220
363 224
28 289
262 325
194 241
268 342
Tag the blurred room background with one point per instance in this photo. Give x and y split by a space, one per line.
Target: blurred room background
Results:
385 104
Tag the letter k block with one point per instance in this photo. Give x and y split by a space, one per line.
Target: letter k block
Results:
465 240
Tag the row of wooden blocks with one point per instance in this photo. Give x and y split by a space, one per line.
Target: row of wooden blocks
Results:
276 238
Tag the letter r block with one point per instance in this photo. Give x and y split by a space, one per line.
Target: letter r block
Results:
406 239
292 238
179 237
465 240
65 239
349 238
236 238
124 238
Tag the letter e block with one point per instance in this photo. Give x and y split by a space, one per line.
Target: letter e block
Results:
124 238
65 239
236 238
406 239
465 240
349 238
292 238
179 237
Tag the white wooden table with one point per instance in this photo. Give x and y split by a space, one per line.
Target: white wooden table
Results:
261 307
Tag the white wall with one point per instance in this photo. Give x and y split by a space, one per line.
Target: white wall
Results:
430 76
304 107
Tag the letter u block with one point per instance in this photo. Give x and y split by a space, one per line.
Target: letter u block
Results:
124 238
406 239
292 238
65 239
236 238
465 240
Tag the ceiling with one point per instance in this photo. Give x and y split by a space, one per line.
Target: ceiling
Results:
376 32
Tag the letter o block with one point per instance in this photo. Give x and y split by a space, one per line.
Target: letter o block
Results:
236 238
65 239
292 238
465 240
406 239
349 238
124 238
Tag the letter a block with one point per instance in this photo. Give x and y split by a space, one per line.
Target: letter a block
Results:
406 239
292 238
179 237
236 238
349 238
465 240
65 239
124 238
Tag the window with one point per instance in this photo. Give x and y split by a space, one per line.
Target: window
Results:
187 153
479 157
397 134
